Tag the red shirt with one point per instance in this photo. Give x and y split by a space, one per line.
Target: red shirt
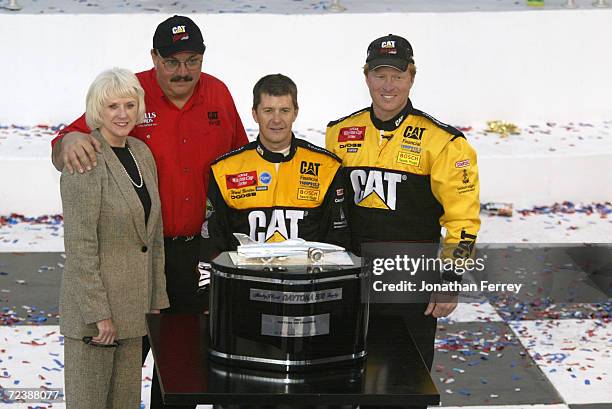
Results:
184 142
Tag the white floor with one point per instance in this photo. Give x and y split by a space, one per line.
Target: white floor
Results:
573 354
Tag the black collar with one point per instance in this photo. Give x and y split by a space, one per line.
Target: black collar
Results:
393 123
276 157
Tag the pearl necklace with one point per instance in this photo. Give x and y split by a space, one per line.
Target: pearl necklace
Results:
137 168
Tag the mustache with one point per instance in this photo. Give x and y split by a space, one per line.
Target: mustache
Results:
178 78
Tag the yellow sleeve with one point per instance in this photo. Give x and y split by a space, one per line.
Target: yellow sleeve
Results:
455 184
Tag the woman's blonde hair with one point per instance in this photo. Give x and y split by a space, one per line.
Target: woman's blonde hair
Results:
109 84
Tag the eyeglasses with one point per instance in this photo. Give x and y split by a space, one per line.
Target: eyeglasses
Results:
173 64
88 341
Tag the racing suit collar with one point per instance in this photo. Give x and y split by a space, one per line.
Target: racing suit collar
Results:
276 157
393 123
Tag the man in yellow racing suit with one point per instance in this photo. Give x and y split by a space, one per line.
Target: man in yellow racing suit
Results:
407 175
275 188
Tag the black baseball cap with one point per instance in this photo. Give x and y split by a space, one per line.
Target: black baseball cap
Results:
390 51
178 34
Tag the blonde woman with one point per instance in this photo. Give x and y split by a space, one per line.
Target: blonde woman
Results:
114 252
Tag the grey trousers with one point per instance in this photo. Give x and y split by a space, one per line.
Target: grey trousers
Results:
102 378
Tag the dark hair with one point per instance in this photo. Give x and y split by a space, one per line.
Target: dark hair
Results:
276 85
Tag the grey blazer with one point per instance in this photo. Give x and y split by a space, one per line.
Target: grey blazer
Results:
114 263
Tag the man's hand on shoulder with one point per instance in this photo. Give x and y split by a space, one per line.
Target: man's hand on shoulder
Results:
76 151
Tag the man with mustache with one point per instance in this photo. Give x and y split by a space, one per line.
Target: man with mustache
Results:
190 120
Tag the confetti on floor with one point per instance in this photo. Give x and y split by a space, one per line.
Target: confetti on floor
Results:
485 363
575 355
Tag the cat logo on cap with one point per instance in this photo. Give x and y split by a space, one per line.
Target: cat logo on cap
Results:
179 33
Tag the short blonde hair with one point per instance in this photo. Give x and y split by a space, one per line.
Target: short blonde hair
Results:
411 69
109 84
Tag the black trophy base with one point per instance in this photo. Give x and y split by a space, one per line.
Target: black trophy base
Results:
393 374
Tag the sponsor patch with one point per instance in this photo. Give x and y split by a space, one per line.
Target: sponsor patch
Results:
353 133
414 142
462 163
339 195
213 118
351 150
149 120
466 188
260 188
414 132
309 168
466 178
249 192
178 29
241 180
265 178
308 194
180 37
149 117
350 146
375 189
408 158
309 182
411 148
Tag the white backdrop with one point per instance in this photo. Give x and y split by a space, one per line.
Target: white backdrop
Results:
552 65
516 66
